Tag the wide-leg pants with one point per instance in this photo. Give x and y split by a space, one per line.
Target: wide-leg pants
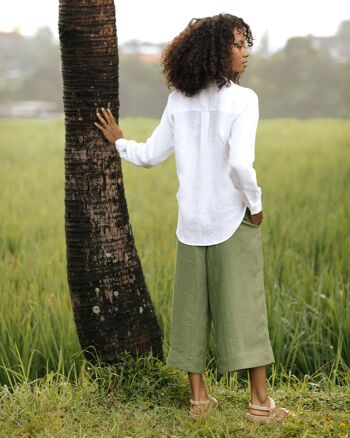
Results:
223 285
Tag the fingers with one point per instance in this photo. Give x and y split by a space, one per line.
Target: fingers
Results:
102 120
100 127
112 116
108 115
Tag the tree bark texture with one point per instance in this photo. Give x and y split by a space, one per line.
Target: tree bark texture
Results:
112 308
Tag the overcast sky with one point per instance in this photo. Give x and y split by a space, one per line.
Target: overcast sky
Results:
160 21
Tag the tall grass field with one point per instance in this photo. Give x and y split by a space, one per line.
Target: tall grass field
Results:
48 389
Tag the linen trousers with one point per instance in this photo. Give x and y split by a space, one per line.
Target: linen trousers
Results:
220 285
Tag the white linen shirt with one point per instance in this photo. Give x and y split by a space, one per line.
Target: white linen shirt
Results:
213 137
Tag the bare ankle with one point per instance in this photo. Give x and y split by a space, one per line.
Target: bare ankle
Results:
259 398
198 389
204 394
201 394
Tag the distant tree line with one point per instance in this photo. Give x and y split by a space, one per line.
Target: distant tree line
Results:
308 77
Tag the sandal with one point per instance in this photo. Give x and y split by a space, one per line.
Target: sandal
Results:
273 412
204 406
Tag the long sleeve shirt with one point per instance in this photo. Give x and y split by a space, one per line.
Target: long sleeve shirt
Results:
212 135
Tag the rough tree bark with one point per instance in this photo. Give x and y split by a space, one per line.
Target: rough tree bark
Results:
112 308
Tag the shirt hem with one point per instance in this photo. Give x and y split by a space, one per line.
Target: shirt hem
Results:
216 242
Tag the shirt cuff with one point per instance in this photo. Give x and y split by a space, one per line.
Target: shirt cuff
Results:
120 144
256 208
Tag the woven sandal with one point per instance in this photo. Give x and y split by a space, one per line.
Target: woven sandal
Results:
205 406
273 413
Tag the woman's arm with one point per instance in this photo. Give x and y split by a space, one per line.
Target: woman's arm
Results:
242 154
150 153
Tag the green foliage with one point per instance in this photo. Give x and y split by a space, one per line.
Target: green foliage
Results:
300 81
308 78
142 88
303 171
151 400
31 68
50 390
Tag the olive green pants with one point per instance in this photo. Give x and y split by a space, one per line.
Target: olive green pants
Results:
221 284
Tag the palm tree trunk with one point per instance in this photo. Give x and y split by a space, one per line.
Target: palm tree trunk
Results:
112 308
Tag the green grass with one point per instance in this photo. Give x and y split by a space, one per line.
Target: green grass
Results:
303 169
151 400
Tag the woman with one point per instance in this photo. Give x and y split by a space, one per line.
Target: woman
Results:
210 124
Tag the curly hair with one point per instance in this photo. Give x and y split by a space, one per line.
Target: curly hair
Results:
202 53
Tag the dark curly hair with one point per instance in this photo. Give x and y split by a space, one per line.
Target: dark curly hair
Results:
202 53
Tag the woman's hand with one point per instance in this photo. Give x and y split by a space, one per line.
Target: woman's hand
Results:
256 218
109 126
